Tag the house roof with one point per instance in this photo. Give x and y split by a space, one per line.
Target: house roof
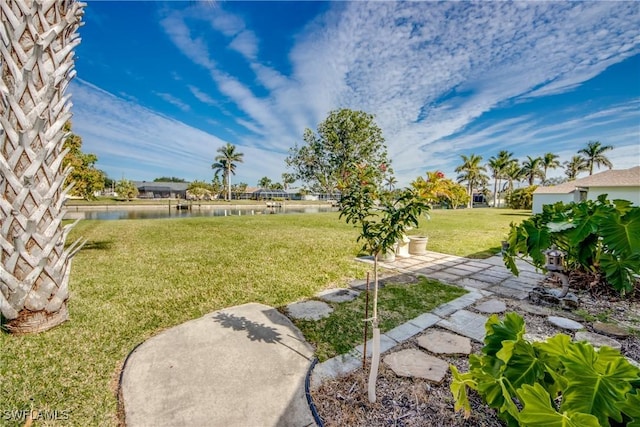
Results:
611 178
161 186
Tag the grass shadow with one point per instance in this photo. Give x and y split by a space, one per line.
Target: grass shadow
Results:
100 245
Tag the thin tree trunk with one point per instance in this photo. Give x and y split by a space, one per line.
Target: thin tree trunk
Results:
36 64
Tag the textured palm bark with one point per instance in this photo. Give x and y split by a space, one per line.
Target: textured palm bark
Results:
37 41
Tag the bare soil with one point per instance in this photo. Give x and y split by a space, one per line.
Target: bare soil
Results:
416 402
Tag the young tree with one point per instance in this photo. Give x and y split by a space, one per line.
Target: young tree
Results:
383 221
85 177
473 173
343 138
36 67
438 189
532 169
549 161
126 189
226 161
594 155
574 166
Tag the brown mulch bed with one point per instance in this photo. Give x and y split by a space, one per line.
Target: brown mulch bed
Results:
416 402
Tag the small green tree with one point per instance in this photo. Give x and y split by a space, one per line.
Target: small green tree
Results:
86 178
343 138
522 198
199 190
383 219
126 189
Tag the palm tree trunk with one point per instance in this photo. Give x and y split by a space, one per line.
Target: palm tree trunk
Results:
36 64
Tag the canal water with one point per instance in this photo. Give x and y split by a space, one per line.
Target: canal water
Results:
140 212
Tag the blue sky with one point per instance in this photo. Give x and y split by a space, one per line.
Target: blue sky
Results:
161 85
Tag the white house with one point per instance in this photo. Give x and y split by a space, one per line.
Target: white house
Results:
617 184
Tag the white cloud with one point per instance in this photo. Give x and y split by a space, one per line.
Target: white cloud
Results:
246 43
201 96
174 101
133 141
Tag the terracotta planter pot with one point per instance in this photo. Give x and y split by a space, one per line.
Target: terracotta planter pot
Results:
418 245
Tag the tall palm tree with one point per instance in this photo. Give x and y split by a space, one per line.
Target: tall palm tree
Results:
36 67
573 167
594 155
497 165
512 173
473 173
532 168
549 161
390 181
227 160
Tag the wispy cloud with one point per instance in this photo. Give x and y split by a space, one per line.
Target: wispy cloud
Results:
135 142
174 101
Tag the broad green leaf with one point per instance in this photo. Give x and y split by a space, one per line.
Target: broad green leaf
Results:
621 235
523 366
620 272
458 387
556 227
537 241
510 329
539 412
598 384
631 407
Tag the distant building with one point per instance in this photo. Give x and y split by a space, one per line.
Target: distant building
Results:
617 184
161 190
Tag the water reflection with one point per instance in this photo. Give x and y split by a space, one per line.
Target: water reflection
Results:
161 213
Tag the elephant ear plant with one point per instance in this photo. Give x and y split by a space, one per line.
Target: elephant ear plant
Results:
383 218
556 382
598 236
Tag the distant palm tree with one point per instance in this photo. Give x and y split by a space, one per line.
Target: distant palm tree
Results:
226 161
532 168
593 154
497 164
390 181
473 173
549 161
573 167
512 173
265 183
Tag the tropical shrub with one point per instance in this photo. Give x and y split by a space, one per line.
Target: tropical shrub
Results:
599 236
437 189
522 198
556 382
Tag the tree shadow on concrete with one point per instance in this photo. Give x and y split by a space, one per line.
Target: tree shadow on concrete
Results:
255 331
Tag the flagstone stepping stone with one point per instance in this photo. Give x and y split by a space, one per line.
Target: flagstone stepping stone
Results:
534 309
564 323
466 323
440 342
417 364
597 340
338 295
610 329
492 306
309 310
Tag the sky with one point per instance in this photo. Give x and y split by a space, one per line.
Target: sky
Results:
161 85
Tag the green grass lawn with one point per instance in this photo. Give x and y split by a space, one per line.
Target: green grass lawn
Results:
472 233
135 278
397 303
